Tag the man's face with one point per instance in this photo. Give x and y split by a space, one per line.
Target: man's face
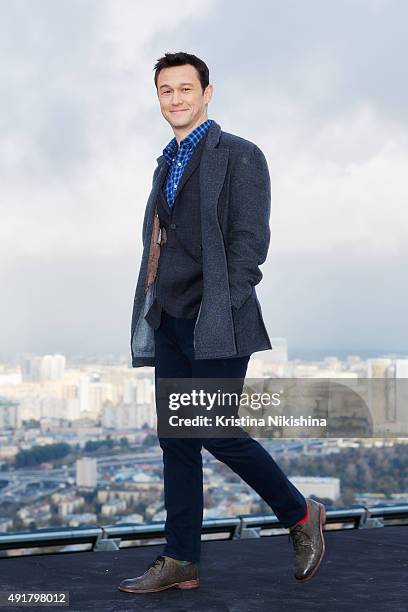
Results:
182 100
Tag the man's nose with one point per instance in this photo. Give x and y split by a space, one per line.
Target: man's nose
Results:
176 99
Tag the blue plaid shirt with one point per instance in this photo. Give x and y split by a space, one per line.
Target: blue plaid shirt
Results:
178 158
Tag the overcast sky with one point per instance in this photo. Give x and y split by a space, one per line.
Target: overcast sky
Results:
319 86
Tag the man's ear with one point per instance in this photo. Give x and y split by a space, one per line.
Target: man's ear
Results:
208 92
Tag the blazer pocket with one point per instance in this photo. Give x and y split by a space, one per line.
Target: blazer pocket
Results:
239 314
245 320
235 309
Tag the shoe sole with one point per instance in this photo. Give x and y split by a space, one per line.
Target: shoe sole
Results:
322 521
184 586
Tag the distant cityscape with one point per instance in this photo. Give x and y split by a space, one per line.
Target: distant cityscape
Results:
78 442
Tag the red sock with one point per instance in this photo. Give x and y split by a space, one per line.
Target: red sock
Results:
304 519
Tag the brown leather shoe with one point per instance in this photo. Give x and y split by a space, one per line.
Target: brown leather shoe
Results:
308 541
163 573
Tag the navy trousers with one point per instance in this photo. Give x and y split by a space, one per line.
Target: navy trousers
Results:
182 461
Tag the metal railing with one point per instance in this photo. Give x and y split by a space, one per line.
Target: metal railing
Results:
243 526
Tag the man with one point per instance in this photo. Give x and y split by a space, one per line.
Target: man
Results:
196 313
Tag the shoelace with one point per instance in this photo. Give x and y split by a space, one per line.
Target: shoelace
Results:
159 561
299 537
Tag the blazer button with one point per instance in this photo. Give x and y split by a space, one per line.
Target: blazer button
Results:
173 225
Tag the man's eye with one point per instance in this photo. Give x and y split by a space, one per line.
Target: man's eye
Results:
166 91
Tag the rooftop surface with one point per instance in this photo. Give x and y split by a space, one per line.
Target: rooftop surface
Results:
363 569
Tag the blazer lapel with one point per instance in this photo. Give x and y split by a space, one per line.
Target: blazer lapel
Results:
213 168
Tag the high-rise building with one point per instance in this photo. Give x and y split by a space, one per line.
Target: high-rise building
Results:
93 394
323 487
10 416
138 391
129 416
378 368
31 368
72 409
86 472
52 367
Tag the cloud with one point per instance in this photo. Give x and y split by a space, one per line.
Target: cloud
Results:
319 88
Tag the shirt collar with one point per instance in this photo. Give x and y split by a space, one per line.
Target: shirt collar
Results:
189 142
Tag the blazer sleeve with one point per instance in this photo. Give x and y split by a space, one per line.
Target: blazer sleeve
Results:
248 234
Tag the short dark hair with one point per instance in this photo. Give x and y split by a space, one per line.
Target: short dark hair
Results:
181 59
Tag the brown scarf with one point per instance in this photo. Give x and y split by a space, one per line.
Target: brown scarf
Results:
158 238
